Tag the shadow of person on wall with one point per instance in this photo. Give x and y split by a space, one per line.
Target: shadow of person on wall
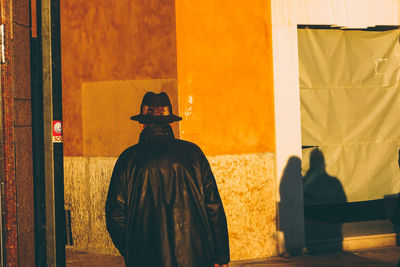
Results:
324 200
291 217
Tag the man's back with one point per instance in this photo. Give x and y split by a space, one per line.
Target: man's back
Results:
163 206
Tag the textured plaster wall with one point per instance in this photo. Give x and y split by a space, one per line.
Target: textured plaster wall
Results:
111 41
86 184
246 184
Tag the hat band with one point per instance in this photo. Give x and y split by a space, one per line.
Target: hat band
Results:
156 110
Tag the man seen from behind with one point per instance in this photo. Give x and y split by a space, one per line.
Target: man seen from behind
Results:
163 207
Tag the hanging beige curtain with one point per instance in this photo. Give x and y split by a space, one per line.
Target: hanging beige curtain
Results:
350 107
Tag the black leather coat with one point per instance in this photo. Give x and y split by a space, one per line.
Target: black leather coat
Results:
163 207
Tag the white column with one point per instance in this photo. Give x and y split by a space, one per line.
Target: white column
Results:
288 139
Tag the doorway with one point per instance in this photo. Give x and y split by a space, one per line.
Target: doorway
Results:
349 94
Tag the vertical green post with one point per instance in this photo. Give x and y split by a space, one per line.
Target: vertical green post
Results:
53 148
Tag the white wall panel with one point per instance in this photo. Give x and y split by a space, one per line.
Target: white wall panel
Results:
287 110
319 12
348 13
359 14
339 12
288 137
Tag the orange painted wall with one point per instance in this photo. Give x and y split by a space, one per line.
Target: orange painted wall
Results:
225 76
110 41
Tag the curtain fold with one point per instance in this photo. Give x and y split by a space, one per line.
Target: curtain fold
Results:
350 108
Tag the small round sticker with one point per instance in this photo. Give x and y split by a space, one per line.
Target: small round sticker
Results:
57 132
57 127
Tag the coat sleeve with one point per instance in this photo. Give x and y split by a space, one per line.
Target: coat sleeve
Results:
216 215
116 208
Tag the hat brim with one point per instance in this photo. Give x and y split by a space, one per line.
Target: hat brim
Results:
155 119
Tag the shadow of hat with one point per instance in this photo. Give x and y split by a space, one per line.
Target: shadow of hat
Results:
156 108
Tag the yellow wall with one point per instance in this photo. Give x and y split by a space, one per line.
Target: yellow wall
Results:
225 88
106 110
225 77
111 41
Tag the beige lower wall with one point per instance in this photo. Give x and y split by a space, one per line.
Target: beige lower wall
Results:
246 184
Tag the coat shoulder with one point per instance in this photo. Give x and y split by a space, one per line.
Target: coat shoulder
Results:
128 152
189 146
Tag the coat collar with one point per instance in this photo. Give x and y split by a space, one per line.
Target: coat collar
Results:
156 132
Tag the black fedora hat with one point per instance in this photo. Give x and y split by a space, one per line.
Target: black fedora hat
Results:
156 108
